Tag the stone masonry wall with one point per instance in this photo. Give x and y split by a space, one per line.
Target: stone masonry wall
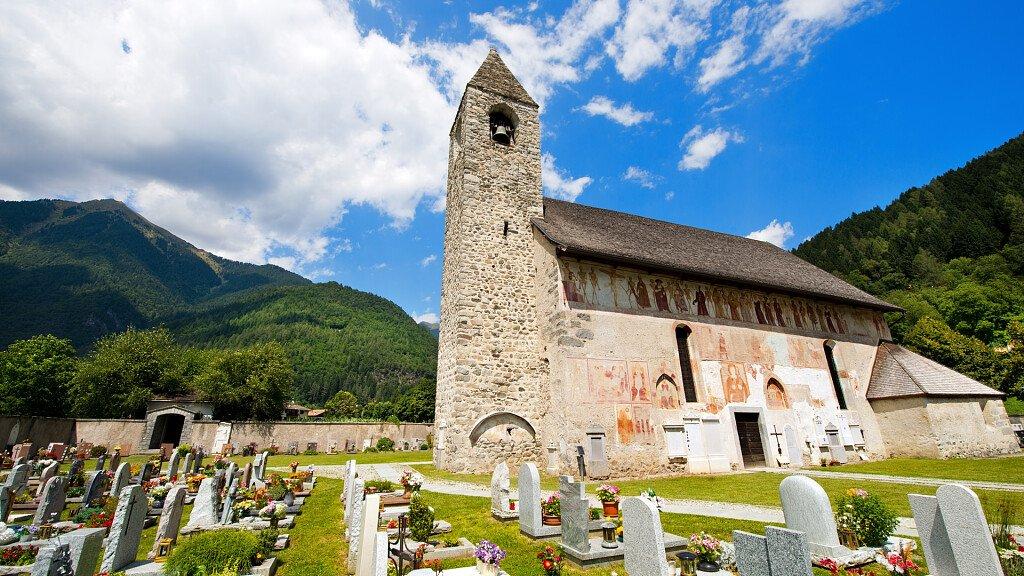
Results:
489 358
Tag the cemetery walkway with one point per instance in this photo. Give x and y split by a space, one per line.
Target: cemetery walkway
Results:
730 510
1005 486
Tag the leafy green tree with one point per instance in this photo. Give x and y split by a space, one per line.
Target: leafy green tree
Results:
252 383
378 410
1015 359
964 354
343 404
35 376
126 370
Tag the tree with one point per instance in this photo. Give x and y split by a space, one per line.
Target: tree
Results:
967 355
35 376
343 404
251 383
126 370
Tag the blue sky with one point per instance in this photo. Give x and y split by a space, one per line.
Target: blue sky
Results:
313 135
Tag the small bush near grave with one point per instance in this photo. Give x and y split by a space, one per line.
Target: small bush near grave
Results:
18 555
421 519
311 453
371 449
424 446
211 552
97 451
866 517
379 486
386 444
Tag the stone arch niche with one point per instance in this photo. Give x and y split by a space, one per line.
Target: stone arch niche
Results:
171 425
775 395
503 123
501 427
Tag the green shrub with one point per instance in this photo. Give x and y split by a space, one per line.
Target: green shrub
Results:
424 446
212 552
386 444
97 451
421 519
371 449
379 486
866 516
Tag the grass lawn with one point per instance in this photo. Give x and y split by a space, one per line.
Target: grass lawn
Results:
1006 469
757 488
316 547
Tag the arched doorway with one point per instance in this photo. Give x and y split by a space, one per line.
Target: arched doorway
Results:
167 430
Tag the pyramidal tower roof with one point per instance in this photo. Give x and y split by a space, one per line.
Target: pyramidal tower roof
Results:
494 76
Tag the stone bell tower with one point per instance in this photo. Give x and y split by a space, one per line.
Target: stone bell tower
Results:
490 371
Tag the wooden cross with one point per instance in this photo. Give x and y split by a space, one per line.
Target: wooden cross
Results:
777 435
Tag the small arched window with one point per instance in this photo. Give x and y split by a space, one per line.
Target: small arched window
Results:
775 395
685 367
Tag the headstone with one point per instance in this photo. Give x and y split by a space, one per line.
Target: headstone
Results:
121 478
787 552
95 484
597 460
19 461
172 465
247 475
350 484
751 554
115 460
197 462
293 448
51 503
575 514
47 473
53 561
76 467
500 488
22 452
311 446
529 498
226 513
166 450
82 450
206 507
644 553
186 467
835 445
101 462
232 473
126 529
354 525
368 536
261 473
6 499
954 533
170 518
807 509
17 479
147 472
794 447
57 450
85 544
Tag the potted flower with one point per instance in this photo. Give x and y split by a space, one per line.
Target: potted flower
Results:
274 512
897 563
294 465
488 558
608 494
412 482
512 504
551 510
708 550
550 561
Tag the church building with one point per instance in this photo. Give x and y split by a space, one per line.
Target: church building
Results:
577 336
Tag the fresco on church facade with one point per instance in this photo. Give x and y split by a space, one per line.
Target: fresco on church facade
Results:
590 285
734 382
667 393
775 396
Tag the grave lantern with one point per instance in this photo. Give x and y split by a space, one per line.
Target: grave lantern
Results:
687 562
164 550
608 535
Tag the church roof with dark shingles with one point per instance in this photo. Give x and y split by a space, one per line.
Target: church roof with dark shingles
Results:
623 238
494 76
899 373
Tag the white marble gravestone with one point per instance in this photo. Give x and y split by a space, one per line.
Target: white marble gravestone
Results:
368 536
47 473
170 518
354 525
121 478
807 509
529 500
126 529
794 448
645 543
954 533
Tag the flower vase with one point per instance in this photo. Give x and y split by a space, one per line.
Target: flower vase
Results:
486 569
610 509
550 520
705 568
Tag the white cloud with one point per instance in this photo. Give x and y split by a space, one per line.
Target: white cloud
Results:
774 233
702 146
428 260
237 128
640 176
653 28
380 265
428 317
669 196
726 62
794 27
624 114
559 184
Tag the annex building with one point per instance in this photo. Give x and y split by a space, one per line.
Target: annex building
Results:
571 333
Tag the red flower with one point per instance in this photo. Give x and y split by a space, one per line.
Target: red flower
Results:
548 564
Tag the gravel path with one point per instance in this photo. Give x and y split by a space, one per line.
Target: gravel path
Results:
898 479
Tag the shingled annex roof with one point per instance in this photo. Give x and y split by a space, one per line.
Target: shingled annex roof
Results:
898 373
494 76
607 235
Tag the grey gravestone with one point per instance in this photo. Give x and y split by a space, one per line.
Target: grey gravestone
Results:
186 468
500 487
350 485
225 516
94 486
645 543
793 447
575 514
172 465
47 473
121 478
126 529
529 498
787 552
101 462
197 462
147 472
807 509
53 561
247 475
231 473
170 518
86 545
938 550
76 467
6 498
261 472
751 554
19 461
115 461
835 446
51 503
17 479
354 526
206 506
597 460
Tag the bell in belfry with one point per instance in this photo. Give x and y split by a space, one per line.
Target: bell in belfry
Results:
501 134
502 129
